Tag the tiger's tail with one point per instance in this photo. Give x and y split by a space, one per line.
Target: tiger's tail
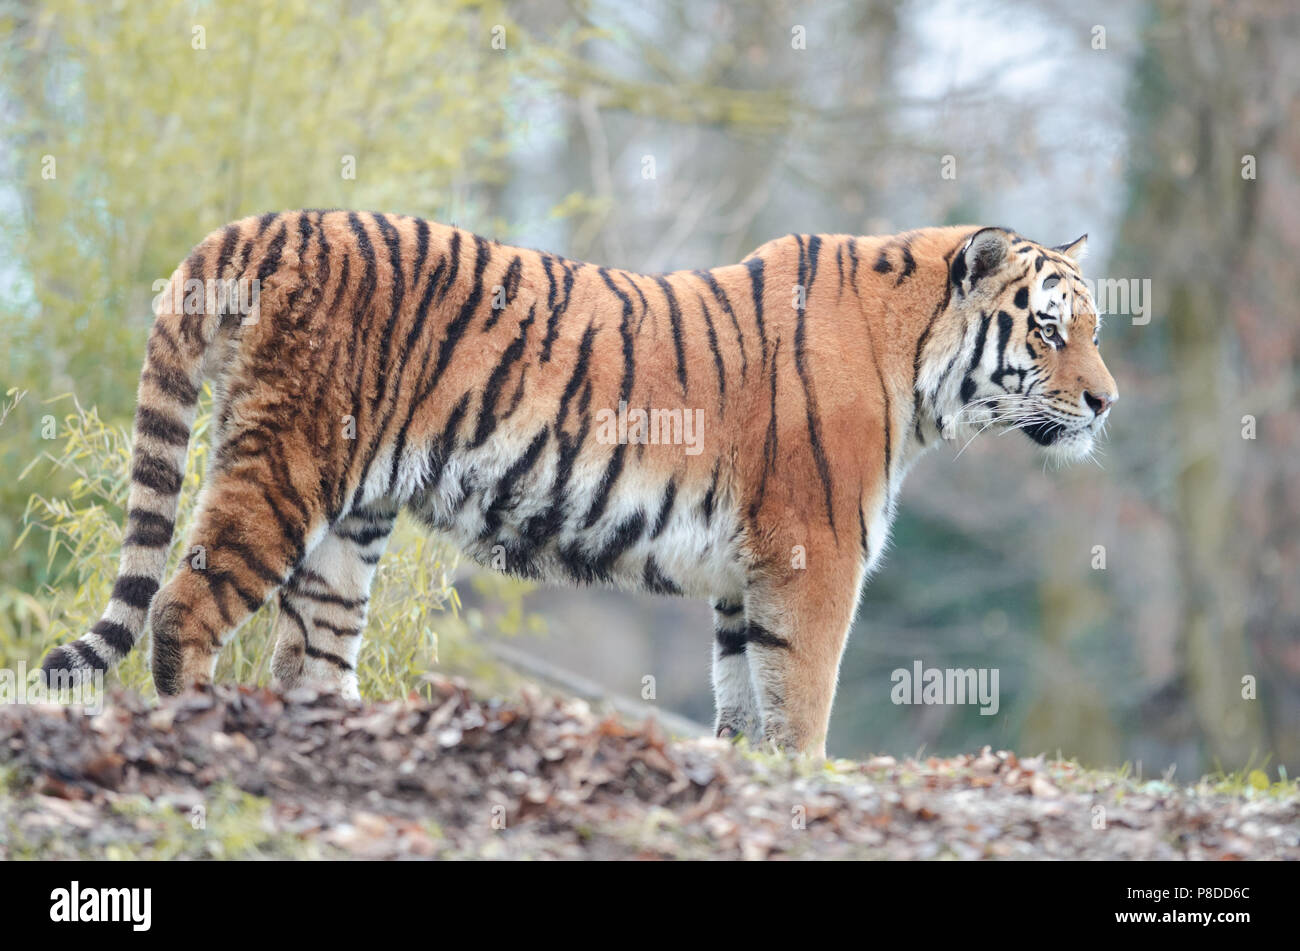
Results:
170 382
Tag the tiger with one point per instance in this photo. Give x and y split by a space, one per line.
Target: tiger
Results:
500 396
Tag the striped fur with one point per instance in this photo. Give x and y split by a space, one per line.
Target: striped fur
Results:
400 364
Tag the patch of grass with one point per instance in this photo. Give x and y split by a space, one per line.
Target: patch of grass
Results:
1249 782
415 618
1253 782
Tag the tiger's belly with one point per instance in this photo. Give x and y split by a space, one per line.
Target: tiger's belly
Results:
532 509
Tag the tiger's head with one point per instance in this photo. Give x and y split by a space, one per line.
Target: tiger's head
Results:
1034 363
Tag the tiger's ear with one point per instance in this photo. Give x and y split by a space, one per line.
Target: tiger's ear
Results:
983 254
1075 249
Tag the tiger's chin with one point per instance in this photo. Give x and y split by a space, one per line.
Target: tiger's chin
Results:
1062 443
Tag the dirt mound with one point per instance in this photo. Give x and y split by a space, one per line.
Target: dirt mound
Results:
236 772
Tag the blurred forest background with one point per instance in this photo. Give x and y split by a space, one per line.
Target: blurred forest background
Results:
662 135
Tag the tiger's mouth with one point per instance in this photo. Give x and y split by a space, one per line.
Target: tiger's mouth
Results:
1061 440
1045 433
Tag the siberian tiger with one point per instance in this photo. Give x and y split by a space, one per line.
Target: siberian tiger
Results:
503 396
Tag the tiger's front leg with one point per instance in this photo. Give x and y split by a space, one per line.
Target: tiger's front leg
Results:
798 624
734 700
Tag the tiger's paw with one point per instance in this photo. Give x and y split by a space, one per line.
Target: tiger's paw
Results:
734 724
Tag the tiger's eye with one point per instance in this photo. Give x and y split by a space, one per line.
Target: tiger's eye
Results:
1048 331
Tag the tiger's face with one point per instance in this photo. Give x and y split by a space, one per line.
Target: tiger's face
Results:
1035 364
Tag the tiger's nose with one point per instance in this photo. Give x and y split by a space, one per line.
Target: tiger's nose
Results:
1099 402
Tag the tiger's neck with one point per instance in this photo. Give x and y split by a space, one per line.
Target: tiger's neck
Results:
937 341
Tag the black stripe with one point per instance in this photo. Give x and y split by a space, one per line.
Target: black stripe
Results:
556 304
675 320
173 382
713 346
118 637
1005 325
615 466
957 273
977 355
135 590
730 643
733 642
487 419
289 611
334 659
292 531
156 473
391 377
540 530
358 346
324 597
645 305
814 248
606 485
162 427
228 239
336 629
710 497
421 251
503 494
656 581
665 508
55 660
366 537
219 581
148 529
161 335
769 440
518 394
454 255
445 444
304 235
807 268
393 240
271 260
755 268
925 336
510 287
227 543
725 303
88 655
909 263
588 568
416 331
756 634
578 375
456 329
728 610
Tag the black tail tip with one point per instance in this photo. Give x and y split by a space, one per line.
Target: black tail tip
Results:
66 667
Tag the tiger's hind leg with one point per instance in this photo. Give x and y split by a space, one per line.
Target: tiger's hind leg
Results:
252 530
736 704
324 604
